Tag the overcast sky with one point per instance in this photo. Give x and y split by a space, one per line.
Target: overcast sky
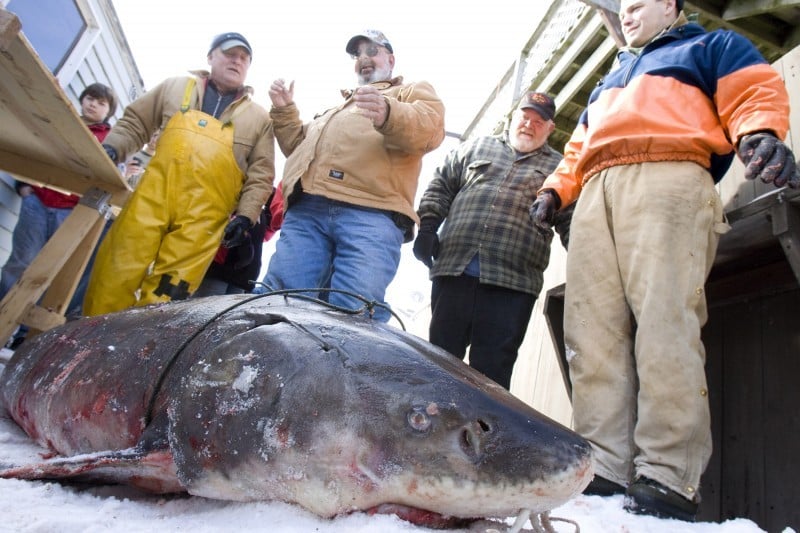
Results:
462 48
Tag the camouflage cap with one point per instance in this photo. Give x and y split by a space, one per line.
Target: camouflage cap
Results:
375 36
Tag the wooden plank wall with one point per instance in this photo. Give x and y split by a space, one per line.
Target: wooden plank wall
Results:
753 342
537 378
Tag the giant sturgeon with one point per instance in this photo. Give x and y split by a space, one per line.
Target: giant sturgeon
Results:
277 398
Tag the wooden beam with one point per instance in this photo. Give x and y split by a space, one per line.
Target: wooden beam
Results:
772 217
601 53
43 140
63 247
715 15
613 25
554 315
738 9
793 39
786 227
611 5
9 28
42 137
763 204
42 317
566 57
69 180
504 81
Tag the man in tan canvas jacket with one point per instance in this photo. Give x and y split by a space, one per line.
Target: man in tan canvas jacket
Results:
350 179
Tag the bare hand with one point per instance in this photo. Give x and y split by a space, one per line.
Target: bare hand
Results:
132 168
280 95
23 189
371 104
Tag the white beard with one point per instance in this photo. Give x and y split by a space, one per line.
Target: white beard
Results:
378 74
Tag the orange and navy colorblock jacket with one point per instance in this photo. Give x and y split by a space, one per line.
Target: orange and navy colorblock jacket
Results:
689 95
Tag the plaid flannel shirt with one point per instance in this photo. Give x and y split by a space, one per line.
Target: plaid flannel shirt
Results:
483 192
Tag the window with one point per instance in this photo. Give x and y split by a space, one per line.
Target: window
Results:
58 30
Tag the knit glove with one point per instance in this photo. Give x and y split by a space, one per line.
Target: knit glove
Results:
237 232
766 157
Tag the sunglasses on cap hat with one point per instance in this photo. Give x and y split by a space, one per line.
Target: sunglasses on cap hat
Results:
369 50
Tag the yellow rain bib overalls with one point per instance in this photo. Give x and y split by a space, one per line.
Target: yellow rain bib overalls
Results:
166 236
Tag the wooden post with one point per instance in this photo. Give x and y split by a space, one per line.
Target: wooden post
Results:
57 267
786 227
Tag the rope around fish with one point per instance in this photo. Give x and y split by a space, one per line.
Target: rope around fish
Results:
368 308
540 523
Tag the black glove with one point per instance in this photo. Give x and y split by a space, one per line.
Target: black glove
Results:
543 209
426 245
265 218
111 152
237 232
562 223
766 157
244 255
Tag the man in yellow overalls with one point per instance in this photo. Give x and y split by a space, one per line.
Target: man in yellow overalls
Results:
215 157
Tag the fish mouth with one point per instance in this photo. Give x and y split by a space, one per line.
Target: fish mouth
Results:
422 517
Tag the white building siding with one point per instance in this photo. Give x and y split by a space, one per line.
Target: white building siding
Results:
102 55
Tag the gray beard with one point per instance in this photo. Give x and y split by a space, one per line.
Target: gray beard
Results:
377 75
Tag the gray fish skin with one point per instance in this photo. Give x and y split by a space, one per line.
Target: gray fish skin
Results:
267 398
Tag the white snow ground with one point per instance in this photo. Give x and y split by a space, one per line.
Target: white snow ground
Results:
39 507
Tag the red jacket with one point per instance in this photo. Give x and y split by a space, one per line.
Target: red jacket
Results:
59 200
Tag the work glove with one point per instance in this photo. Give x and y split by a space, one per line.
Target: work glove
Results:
111 152
244 255
426 245
562 222
543 209
237 232
766 157
265 218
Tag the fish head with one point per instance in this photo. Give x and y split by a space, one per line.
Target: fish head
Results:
340 414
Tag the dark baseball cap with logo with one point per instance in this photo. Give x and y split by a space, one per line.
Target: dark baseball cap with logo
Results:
539 102
226 41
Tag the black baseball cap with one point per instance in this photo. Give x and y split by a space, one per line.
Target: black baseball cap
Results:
539 102
226 41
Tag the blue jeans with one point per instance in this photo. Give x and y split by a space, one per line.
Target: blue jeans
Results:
358 248
36 224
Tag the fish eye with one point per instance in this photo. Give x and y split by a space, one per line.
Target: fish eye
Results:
418 419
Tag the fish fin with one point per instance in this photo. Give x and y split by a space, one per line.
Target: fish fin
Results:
153 471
